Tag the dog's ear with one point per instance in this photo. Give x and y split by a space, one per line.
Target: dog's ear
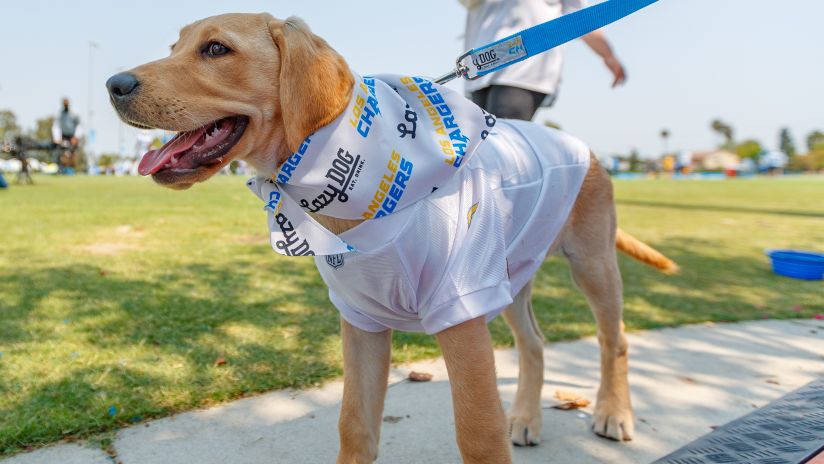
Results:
315 81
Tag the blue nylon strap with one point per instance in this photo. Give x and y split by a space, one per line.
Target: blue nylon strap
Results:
538 39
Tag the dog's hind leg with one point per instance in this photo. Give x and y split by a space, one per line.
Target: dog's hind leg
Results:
601 283
525 413
589 245
366 358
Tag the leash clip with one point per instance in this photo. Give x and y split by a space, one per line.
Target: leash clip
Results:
477 62
460 70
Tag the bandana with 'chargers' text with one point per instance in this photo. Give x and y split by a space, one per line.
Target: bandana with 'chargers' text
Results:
399 139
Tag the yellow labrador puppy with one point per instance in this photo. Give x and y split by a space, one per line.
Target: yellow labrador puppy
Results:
253 87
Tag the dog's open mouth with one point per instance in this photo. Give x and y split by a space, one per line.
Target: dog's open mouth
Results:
193 149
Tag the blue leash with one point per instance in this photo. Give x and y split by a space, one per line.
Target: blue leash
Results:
538 39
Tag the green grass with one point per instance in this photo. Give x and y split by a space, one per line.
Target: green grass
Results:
118 293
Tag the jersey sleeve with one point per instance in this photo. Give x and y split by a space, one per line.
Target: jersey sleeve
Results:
355 317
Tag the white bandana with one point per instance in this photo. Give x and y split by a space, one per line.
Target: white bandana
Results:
399 139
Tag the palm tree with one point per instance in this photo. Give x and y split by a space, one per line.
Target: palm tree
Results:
725 130
665 133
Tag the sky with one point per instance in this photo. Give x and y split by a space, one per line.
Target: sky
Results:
756 64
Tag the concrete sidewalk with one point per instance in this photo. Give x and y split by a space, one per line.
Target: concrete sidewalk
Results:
684 381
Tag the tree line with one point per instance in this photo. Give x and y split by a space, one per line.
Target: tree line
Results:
10 128
812 160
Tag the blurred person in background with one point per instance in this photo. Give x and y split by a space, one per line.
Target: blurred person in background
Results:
24 174
66 132
517 91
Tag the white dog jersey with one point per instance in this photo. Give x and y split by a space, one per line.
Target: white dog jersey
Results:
460 211
467 249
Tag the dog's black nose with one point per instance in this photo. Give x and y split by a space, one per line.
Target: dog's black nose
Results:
122 85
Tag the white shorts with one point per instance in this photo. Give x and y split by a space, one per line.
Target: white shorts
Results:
466 250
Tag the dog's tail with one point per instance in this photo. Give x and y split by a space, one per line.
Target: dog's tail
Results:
644 253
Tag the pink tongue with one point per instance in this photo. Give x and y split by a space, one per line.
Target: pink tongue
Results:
153 160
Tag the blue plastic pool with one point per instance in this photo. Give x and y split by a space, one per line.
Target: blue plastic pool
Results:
804 265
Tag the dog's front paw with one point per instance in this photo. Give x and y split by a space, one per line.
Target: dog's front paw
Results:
525 429
613 422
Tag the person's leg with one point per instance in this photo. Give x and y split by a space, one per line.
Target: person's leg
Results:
512 102
479 97
24 170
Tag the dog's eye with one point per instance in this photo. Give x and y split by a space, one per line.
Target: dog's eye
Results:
215 49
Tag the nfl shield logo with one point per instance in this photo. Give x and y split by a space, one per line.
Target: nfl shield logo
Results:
335 261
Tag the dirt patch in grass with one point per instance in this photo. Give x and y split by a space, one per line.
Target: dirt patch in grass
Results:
121 239
107 248
252 239
129 230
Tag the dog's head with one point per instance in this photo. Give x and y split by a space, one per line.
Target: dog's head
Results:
236 86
